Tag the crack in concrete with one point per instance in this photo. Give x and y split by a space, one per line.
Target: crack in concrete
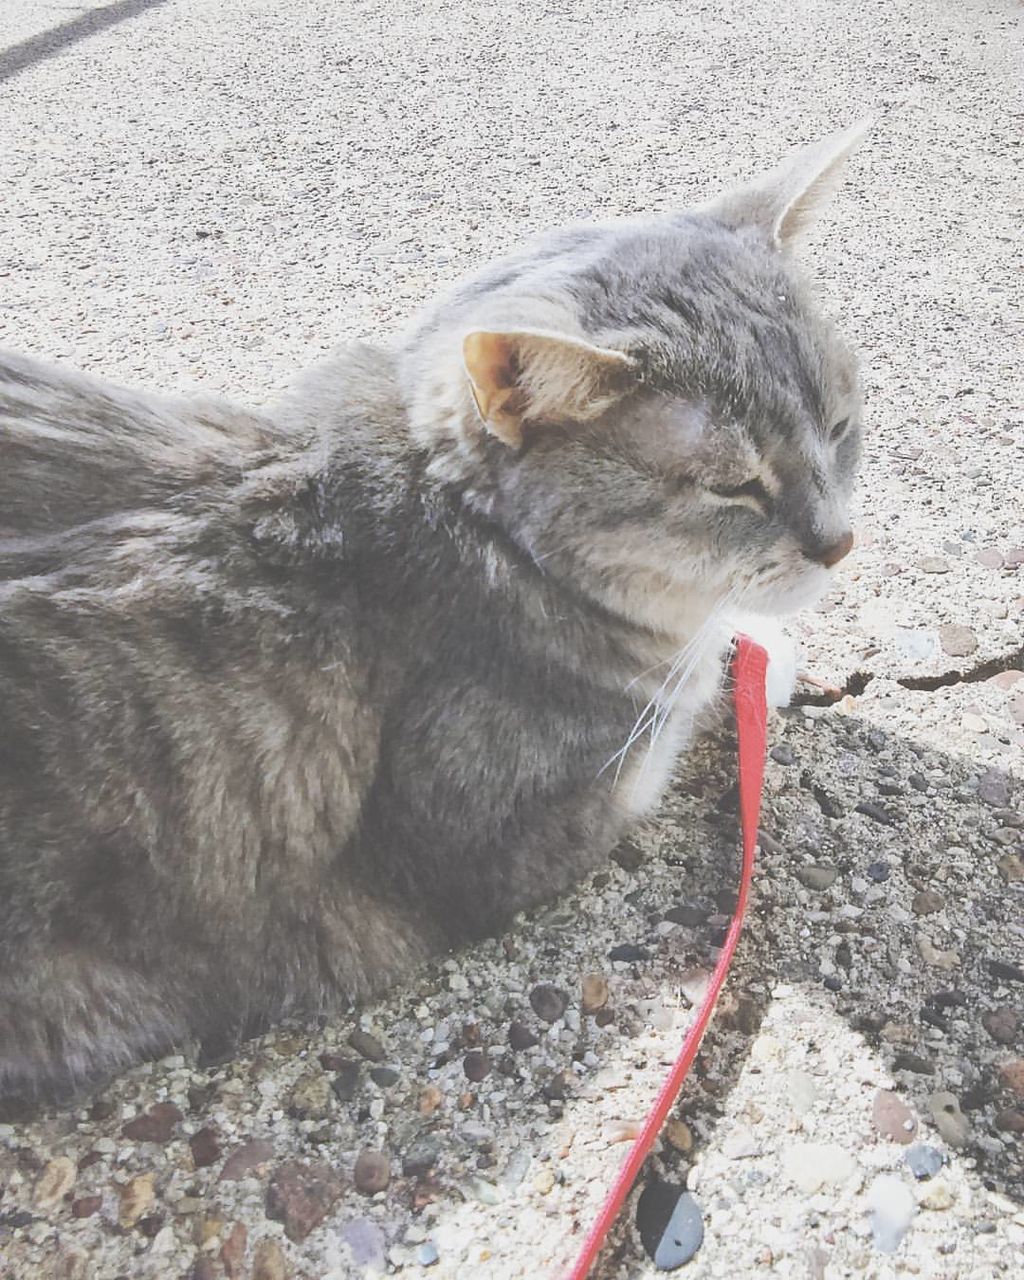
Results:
858 681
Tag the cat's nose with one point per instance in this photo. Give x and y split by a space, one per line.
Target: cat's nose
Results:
829 556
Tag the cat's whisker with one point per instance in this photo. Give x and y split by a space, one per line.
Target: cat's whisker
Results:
705 636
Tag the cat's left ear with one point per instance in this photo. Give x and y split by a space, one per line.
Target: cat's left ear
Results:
788 199
530 375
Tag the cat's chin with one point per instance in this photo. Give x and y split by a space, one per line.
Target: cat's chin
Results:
780 599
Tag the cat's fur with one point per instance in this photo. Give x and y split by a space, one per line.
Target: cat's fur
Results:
293 700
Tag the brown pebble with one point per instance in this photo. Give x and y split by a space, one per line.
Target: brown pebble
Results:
549 1003
678 1134
594 992
430 1099
55 1181
137 1198
476 1065
520 1036
927 902
333 1061
1002 1024
958 641
366 1045
604 1017
1010 1121
893 1118
300 1196
268 1262
155 1125
204 1269
247 1159
232 1252
205 1147
86 1206
372 1172
1012 1076
1011 867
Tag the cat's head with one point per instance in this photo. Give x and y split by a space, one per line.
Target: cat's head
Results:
655 408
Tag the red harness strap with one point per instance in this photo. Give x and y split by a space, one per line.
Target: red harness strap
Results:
749 666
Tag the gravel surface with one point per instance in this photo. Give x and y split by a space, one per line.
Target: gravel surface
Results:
211 196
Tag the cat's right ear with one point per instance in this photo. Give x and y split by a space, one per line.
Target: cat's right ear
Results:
788 199
532 376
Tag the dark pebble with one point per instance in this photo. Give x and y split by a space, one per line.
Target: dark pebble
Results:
422 1155
384 1076
688 914
994 789
629 951
830 806
670 1223
818 878
1007 972
346 1082
1010 1121
205 1145
890 788
520 1036
832 984
15 1221
918 781
366 1045
877 740
1002 1024
783 754
879 872
875 812
729 800
476 1066
556 1087
627 856
155 1125
150 1226
927 902
949 999
101 1109
246 1158
334 1061
934 1017
300 1196
86 1206
372 1172
924 1161
905 1061
548 1002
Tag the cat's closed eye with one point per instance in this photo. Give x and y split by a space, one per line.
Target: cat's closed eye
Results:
839 430
751 490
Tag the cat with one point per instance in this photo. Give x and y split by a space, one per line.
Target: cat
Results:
294 699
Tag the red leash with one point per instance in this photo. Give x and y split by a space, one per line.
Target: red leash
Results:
749 666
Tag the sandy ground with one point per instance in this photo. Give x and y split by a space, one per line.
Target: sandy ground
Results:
211 196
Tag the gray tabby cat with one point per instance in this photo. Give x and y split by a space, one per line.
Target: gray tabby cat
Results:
294 700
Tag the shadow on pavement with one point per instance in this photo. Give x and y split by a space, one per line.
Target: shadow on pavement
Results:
48 44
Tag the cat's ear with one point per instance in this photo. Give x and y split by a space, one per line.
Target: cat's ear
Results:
525 375
789 198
